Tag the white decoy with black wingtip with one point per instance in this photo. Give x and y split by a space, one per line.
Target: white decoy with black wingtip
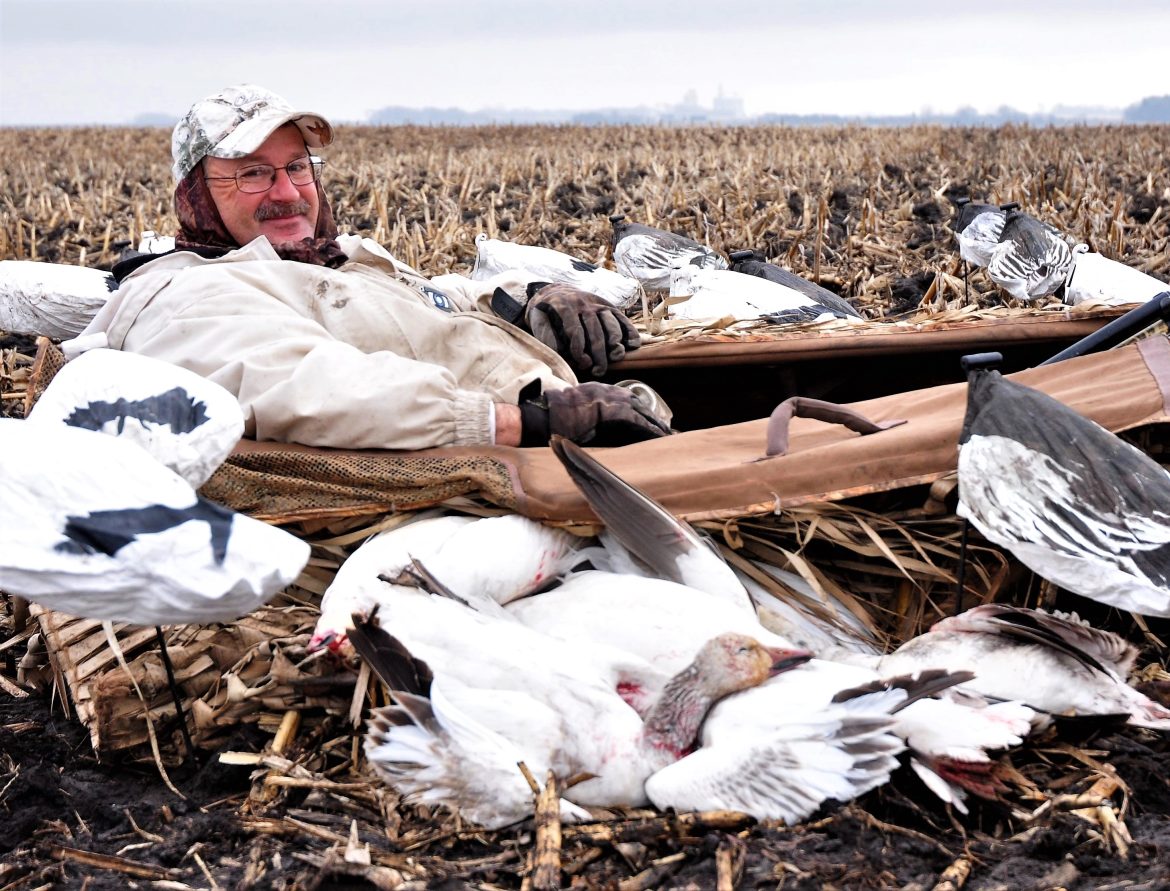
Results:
708 295
1075 503
185 421
93 526
649 254
749 263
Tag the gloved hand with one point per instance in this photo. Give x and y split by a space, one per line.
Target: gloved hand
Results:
582 327
588 414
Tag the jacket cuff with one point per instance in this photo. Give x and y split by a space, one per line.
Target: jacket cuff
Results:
473 418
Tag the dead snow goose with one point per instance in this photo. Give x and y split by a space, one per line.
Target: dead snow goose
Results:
459 748
635 523
1055 662
1076 504
661 621
490 559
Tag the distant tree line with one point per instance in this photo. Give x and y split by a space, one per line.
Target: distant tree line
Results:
1151 110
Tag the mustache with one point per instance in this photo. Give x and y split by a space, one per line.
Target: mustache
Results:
274 210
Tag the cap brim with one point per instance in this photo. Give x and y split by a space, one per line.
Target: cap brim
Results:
251 134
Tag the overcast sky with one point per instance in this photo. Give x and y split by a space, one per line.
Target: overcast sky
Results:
108 61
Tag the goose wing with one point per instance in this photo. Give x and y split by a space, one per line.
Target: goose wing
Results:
840 752
670 547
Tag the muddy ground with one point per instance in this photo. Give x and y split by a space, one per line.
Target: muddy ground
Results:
68 820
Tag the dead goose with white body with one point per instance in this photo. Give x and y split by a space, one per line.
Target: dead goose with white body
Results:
491 559
1056 662
661 621
1073 502
442 743
648 254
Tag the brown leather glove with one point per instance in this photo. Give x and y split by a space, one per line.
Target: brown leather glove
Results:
588 414
582 327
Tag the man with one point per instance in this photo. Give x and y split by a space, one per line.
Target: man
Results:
328 340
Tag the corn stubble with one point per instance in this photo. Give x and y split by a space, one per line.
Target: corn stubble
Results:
858 210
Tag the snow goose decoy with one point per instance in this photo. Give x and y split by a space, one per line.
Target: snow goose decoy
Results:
186 422
95 527
541 264
648 254
1097 279
749 263
453 746
1055 662
1026 257
1072 501
1032 259
978 228
708 295
51 299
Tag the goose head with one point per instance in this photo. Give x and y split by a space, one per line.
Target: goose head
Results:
724 665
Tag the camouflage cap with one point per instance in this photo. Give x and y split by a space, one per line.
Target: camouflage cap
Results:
235 122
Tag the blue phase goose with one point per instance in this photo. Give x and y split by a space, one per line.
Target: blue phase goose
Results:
1073 502
648 254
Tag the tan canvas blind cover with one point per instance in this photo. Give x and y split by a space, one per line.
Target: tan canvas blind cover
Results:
702 474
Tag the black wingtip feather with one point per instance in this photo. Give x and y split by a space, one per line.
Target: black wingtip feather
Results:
389 658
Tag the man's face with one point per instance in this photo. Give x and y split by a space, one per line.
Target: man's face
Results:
286 212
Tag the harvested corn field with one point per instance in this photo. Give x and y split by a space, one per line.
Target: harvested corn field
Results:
278 795
861 211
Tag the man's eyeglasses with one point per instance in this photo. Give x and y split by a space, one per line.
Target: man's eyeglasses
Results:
262 177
